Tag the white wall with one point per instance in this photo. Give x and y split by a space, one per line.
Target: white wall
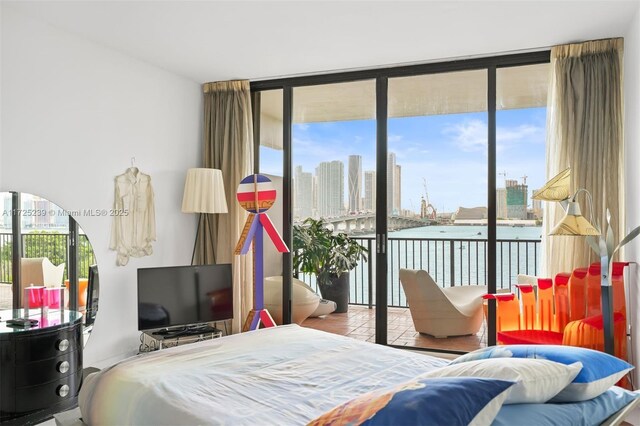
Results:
1 8
632 177
73 114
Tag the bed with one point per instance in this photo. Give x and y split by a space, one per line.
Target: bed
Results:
286 375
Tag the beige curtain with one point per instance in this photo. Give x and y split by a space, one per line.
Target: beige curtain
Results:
584 122
228 146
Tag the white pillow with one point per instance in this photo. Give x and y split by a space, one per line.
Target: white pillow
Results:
538 380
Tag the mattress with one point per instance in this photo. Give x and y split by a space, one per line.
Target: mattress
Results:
286 375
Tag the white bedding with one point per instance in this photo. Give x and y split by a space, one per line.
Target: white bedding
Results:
279 376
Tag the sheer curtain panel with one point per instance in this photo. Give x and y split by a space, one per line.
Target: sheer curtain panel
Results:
584 132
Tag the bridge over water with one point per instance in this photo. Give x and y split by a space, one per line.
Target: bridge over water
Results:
366 223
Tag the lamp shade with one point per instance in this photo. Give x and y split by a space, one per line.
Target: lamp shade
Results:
204 192
573 223
556 189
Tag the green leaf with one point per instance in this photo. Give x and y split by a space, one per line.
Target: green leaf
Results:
317 250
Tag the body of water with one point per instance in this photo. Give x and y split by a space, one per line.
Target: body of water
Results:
453 255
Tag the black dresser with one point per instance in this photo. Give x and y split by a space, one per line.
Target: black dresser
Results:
40 367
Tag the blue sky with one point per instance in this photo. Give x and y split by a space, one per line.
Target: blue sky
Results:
449 151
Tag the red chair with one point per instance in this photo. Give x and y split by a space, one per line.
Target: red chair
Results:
565 311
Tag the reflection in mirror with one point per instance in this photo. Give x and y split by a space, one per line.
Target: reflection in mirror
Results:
45 256
48 302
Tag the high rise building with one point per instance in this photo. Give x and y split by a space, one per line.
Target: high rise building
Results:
303 192
517 197
536 207
355 183
501 203
27 205
394 185
391 171
370 190
397 190
43 220
314 196
330 188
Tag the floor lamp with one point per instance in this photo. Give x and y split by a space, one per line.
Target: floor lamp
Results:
574 224
203 194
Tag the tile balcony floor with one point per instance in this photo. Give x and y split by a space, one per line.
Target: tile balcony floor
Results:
359 323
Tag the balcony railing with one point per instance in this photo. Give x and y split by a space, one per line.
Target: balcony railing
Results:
449 261
49 245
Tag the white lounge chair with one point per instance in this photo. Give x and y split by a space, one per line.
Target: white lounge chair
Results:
442 312
40 271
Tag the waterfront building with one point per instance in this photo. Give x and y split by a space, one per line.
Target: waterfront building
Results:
391 170
355 183
303 194
397 190
517 196
536 207
501 203
330 176
369 191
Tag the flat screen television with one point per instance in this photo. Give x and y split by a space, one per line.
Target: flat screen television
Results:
93 294
184 295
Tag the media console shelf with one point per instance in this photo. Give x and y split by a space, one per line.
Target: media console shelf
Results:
151 342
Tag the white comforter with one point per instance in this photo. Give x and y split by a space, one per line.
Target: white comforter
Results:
279 376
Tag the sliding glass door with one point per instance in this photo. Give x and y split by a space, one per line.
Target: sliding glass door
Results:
405 162
437 209
333 149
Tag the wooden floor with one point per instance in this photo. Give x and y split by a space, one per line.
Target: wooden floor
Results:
359 323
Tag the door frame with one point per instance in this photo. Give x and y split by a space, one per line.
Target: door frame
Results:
381 76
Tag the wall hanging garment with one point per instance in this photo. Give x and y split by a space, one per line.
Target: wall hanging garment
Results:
134 221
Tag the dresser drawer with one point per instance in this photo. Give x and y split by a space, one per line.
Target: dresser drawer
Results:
47 345
27 374
39 397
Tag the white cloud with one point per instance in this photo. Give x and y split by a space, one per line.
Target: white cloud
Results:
469 136
394 138
522 133
472 135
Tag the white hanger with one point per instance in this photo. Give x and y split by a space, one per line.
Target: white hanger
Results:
133 167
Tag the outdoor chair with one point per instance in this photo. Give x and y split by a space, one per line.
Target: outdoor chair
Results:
442 312
39 271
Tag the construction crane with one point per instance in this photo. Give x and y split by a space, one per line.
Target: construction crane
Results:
426 209
504 173
524 179
426 193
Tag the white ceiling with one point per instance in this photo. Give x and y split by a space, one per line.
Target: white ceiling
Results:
215 40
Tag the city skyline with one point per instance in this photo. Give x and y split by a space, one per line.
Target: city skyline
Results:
512 200
326 183
448 151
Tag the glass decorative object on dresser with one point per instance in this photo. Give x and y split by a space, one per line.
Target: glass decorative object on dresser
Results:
49 291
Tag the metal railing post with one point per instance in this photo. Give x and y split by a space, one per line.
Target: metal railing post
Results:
452 263
370 272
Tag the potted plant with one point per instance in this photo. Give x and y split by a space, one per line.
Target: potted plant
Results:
330 257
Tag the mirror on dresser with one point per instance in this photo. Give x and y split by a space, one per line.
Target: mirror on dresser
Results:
49 290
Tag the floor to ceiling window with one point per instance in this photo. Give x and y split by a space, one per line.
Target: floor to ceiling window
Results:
437 206
428 167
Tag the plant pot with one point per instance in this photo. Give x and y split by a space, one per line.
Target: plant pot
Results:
337 291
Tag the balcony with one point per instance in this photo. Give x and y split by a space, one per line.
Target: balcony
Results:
449 261
51 245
